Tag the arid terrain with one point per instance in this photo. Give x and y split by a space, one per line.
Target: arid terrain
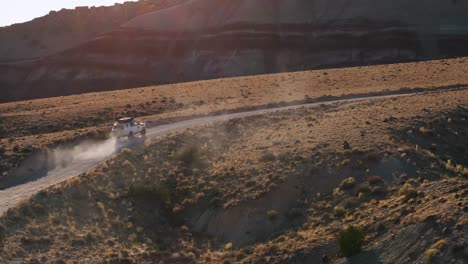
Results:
275 188
31 127
264 131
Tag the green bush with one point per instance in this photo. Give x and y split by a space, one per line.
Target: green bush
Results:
350 241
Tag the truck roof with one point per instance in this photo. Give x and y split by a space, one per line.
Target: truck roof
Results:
125 120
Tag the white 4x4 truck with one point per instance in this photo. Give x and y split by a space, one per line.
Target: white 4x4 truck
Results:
127 127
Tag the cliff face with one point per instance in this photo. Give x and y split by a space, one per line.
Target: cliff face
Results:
68 28
202 39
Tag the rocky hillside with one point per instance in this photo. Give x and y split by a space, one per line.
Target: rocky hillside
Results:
201 39
68 28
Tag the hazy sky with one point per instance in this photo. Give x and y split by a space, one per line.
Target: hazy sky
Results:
17 11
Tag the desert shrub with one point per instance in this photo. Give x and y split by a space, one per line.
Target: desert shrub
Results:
363 188
127 154
350 202
227 261
36 242
408 191
272 214
267 156
2 232
351 240
127 167
240 256
344 162
26 211
440 244
379 191
339 211
250 183
228 246
149 193
38 209
371 156
379 227
348 183
430 254
182 257
375 180
248 250
281 239
188 155
91 237
284 156
357 151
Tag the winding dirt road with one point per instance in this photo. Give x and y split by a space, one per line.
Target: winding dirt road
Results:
13 196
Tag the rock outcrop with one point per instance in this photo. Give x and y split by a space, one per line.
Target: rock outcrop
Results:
201 39
67 28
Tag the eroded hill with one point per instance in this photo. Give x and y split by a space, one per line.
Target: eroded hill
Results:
204 39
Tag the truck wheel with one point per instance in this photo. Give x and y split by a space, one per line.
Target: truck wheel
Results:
143 131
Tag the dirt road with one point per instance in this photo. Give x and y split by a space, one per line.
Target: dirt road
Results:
13 196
